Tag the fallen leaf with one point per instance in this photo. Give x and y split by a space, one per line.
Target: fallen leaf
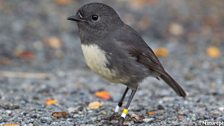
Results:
161 52
137 118
11 125
25 55
214 52
176 29
54 42
59 115
103 94
63 2
151 113
51 102
95 105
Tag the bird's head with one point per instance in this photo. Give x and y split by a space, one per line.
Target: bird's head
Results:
94 18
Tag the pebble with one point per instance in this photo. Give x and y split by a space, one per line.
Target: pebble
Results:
9 106
160 107
220 118
47 120
72 109
221 109
148 120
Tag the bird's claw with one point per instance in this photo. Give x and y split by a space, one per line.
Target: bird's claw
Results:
114 116
120 121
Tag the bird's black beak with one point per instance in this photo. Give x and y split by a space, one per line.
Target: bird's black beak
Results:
74 18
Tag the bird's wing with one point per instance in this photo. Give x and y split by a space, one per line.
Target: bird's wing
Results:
136 48
132 43
146 57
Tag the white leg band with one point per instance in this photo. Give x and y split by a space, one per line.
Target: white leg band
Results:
116 109
123 115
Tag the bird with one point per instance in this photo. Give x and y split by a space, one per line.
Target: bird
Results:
117 52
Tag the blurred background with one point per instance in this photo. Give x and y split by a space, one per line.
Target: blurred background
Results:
41 58
35 35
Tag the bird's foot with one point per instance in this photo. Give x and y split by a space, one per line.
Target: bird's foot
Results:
114 116
120 121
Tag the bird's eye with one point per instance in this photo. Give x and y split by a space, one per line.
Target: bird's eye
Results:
80 15
95 17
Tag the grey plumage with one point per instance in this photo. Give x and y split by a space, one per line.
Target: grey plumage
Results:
115 51
129 58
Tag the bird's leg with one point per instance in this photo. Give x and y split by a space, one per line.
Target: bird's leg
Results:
120 103
125 111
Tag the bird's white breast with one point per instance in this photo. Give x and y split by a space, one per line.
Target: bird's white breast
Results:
97 61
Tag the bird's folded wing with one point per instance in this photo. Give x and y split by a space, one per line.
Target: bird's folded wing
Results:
146 57
136 47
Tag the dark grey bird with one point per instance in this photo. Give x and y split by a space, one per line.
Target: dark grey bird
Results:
116 51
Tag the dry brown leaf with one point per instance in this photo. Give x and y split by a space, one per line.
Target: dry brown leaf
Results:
11 125
103 94
214 52
162 52
152 113
54 42
176 29
137 118
51 102
95 105
25 55
59 115
63 2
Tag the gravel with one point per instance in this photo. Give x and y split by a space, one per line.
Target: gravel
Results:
23 99
27 105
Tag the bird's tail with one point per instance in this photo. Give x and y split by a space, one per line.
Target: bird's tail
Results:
173 84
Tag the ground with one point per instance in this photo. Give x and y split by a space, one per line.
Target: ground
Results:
40 59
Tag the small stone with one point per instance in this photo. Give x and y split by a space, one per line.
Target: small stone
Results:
8 111
9 106
30 124
72 109
147 120
34 116
35 123
160 107
220 118
189 76
45 120
221 109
